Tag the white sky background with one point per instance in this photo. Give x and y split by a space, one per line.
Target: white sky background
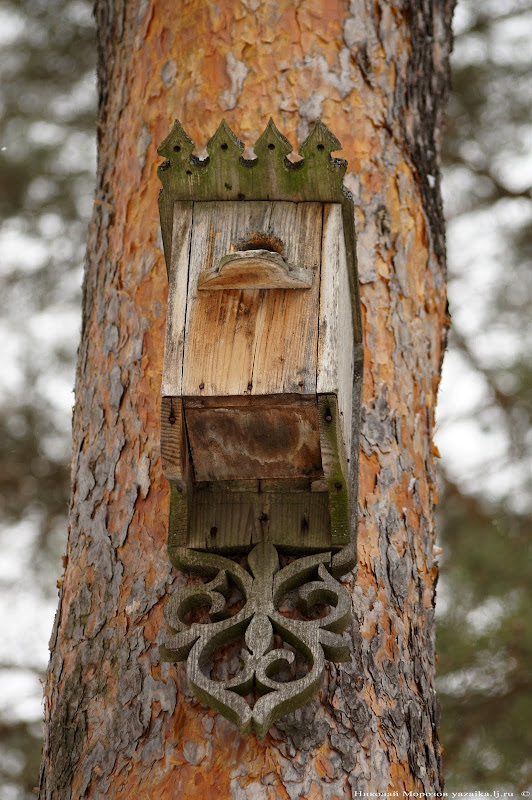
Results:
468 436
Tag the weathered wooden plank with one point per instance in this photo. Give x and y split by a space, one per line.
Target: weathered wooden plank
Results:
286 347
174 449
257 348
335 469
292 520
179 518
177 300
335 337
249 400
221 520
254 441
299 520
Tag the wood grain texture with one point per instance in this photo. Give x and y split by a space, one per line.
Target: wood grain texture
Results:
252 341
177 299
254 441
174 447
293 520
335 468
336 333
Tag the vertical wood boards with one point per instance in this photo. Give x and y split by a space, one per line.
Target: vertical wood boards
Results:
335 341
177 300
266 339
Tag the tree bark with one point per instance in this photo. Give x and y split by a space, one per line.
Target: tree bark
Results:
120 724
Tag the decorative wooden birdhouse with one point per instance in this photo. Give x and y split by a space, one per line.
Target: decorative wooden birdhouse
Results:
262 367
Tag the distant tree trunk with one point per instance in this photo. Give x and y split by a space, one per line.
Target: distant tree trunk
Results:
118 723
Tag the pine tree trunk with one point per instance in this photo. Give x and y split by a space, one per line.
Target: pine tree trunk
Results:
118 722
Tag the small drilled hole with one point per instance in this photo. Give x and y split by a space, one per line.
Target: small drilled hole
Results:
241 196
338 486
321 147
176 148
271 146
224 146
228 186
189 172
214 530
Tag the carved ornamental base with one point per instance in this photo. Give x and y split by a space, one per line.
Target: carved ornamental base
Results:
283 644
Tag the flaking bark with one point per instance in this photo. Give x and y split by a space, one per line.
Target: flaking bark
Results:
118 723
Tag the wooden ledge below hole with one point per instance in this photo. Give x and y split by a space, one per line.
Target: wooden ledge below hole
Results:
255 269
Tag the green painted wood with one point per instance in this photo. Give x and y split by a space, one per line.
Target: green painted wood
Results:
335 469
294 521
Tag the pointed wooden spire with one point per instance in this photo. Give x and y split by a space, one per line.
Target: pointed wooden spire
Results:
271 143
224 143
320 140
177 146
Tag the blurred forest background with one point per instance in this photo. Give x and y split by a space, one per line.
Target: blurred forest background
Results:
47 157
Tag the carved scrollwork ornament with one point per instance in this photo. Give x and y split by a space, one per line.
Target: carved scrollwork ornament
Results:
263 470
260 620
